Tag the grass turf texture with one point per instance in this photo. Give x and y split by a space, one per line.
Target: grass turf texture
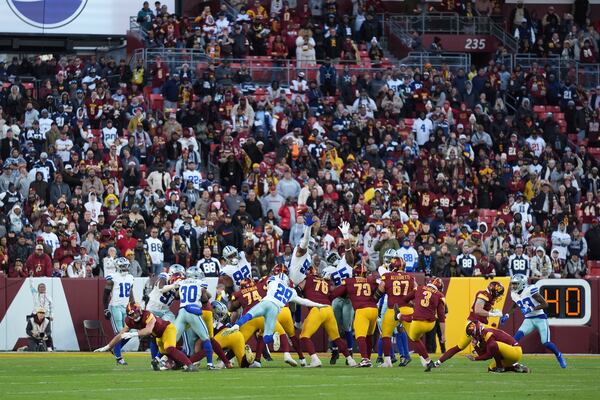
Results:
95 376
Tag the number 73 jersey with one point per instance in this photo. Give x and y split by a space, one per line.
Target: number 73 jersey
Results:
360 291
526 302
122 286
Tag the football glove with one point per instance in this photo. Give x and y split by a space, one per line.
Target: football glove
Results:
308 219
495 313
107 313
504 318
128 335
345 229
102 349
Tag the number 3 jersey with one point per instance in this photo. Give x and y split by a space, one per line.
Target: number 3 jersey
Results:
238 272
159 301
122 285
527 303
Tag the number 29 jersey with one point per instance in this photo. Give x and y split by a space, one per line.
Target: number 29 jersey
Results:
279 292
121 288
238 272
527 303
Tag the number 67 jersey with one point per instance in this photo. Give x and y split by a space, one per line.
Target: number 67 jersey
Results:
526 302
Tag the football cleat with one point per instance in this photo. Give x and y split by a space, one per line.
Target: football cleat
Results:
314 364
302 362
220 365
561 360
155 364
255 364
267 354
404 361
365 363
211 367
394 359
120 361
276 341
499 370
335 354
520 368
287 358
190 368
350 362
379 360
430 365
249 354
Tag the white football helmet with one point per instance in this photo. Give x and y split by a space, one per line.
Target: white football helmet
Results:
122 264
518 282
194 272
231 255
177 269
389 255
333 258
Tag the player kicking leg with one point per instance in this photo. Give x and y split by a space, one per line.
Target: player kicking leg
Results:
532 305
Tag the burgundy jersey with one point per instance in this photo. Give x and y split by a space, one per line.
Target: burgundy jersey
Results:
484 296
247 297
159 326
398 287
499 336
429 304
359 290
317 289
262 286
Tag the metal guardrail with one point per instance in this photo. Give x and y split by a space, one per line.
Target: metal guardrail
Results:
453 61
586 75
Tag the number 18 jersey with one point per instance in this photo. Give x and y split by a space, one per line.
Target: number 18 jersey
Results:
526 302
122 286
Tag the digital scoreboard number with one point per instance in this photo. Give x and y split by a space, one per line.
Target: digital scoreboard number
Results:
569 301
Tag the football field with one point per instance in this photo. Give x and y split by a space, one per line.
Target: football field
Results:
95 376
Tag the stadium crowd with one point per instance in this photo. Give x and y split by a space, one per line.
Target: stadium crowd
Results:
432 162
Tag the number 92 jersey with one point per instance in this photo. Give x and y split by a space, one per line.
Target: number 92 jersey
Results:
278 292
526 302
238 272
338 273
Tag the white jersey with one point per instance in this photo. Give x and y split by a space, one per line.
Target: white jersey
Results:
395 85
159 301
194 177
238 272
527 303
109 136
51 240
339 272
190 291
122 285
410 257
279 292
155 250
298 266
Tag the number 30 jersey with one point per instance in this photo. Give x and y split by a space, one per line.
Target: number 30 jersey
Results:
122 286
278 292
190 291
238 272
527 303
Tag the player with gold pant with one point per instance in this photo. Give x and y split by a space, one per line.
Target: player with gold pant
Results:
287 322
318 317
389 323
418 329
258 325
510 355
234 342
168 339
365 321
207 317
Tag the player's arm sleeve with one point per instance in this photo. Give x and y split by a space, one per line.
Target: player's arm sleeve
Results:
304 302
306 237
339 291
441 310
489 344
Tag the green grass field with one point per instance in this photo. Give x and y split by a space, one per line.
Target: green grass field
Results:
95 376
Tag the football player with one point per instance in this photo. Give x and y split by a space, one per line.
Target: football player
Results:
279 293
318 290
301 256
246 299
118 290
360 291
234 342
396 286
429 306
337 270
236 268
498 345
532 304
191 292
147 324
481 310
285 315
162 295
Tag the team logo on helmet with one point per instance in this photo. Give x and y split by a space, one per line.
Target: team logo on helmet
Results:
47 14
496 289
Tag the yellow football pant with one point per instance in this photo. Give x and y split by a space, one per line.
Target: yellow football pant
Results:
257 325
286 321
510 355
389 323
418 329
365 321
234 342
207 317
168 339
317 317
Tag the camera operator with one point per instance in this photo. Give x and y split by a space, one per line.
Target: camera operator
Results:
38 332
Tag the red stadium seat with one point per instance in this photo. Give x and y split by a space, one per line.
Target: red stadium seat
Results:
539 109
593 268
157 102
553 109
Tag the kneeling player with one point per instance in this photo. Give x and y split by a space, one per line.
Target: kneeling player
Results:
429 305
496 344
147 324
318 290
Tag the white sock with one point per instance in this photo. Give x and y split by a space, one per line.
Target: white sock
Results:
315 358
387 360
286 354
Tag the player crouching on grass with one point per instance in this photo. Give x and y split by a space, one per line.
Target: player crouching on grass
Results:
496 344
147 324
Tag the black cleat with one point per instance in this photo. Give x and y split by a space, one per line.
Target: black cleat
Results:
404 361
155 364
497 370
267 354
429 366
190 368
394 360
379 360
335 354
120 361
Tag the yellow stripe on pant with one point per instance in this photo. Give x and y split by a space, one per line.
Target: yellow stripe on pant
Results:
459 298
207 317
